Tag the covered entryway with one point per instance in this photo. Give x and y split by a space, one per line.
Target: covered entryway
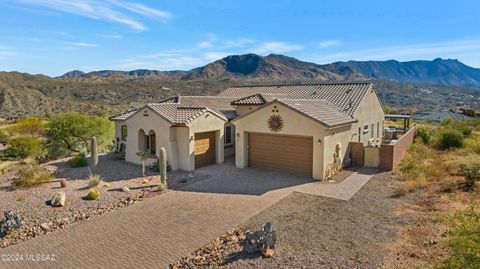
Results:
205 149
281 152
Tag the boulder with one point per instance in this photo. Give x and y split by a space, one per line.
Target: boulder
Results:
58 199
11 220
63 183
125 189
261 240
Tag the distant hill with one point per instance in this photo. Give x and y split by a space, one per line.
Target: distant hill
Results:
439 71
279 67
424 85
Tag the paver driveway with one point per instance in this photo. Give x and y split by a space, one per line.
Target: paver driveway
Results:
154 232
159 230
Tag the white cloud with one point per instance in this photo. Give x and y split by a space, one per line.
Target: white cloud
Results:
329 43
114 11
209 42
144 10
446 49
238 43
83 44
113 36
276 47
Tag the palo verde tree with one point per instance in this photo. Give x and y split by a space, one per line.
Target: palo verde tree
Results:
73 131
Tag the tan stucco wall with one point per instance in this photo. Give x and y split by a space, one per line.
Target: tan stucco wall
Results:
206 123
370 111
118 130
242 110
154 122
294 124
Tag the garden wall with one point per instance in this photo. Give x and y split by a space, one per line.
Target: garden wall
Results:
392 154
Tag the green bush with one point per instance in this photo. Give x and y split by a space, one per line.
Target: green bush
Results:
471 173
24 147
32 175
78 160
424 135
450 139
93 194
463 242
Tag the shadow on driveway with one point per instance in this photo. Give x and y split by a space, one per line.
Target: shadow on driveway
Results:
226 178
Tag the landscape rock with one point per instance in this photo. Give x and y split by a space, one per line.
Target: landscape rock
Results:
58 199
260 241
63 183
125 189
11 220
268 253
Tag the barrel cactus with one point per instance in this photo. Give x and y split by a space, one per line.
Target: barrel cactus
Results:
163 164
94 152
93 194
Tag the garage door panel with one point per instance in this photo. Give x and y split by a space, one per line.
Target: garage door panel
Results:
279 152
205 149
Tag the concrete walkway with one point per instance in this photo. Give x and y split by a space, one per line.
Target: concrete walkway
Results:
152 233
343 190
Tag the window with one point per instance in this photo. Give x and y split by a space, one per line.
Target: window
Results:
147 142
228 135
124 132
365 128
372 126
378 129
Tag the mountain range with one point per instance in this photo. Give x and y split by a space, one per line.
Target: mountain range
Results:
447 72
426 85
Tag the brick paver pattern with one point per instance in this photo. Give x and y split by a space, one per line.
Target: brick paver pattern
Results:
159 230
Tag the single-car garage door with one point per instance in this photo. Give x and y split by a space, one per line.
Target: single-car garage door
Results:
205 149
281 152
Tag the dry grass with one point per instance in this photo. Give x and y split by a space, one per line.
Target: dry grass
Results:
425 164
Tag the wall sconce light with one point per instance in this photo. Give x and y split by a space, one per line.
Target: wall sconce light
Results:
191 138
238 135
319 141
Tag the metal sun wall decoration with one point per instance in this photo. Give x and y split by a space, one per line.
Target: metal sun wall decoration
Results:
275 123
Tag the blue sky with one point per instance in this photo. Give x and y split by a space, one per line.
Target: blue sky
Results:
55 36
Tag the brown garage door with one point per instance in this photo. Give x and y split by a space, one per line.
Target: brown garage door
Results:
204 149
280 152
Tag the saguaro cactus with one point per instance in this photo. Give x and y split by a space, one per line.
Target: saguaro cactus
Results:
162 164
93 152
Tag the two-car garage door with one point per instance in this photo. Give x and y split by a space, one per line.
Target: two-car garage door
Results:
281 152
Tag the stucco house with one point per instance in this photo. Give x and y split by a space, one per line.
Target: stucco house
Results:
294 128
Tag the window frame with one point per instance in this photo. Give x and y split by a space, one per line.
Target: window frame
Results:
123 132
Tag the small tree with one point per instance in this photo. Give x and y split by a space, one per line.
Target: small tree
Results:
471 173
29 126
24 147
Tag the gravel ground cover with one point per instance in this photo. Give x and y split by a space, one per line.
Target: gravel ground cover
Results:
39 217
318 232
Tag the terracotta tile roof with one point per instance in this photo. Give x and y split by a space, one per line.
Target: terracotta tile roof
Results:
179 114
123 115
345 96
320 110
219 104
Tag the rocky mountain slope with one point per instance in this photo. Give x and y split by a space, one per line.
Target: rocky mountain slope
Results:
109 91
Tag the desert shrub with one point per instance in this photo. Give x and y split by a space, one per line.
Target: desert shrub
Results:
32 175
29 126
78 160
160 187
471 174
24 147
3 136
450 139
472 144
463 241
93 194
93 180
424 134
411 185
155 166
